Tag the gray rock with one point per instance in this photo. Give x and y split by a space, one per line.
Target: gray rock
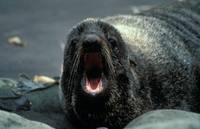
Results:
34 101
13 121
166 119
11 100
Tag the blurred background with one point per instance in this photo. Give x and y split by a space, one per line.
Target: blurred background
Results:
33 32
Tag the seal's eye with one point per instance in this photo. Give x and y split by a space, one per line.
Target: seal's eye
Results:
132 63
74 41
113 42
72 46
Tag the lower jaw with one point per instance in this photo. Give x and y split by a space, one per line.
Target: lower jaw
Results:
98 93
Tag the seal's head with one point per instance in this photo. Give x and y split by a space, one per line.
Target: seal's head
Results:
94 71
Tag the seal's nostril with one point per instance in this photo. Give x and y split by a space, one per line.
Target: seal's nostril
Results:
91 43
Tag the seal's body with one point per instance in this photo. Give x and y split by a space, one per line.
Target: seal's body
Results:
120 67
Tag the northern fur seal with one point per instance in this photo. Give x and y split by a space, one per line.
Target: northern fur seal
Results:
120 67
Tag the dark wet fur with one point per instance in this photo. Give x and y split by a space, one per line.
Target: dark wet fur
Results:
161 71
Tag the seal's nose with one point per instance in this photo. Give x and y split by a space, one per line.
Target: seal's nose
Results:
91 43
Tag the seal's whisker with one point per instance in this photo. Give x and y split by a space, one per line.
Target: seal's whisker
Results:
74 66
75 61
106 54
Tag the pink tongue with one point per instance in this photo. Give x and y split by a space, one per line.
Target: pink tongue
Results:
93 83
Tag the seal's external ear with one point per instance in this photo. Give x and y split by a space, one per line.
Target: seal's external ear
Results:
132 63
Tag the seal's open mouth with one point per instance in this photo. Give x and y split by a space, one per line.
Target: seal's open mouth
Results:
93 78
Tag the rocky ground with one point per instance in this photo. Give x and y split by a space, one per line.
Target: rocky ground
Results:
29 104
